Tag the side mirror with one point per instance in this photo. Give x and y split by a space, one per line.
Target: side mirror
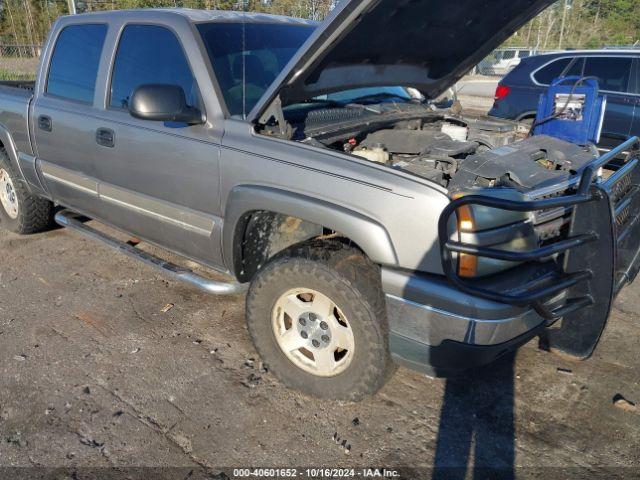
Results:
165 103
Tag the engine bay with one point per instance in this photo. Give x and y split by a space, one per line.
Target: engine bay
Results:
459 154
431 150
456 151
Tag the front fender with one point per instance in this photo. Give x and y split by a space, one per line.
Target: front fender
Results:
366 232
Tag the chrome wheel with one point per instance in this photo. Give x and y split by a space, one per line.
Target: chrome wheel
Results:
313 332
8 196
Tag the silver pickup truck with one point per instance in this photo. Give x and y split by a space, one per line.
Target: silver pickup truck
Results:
310 164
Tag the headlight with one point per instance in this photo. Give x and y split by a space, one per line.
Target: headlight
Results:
467 264
495 228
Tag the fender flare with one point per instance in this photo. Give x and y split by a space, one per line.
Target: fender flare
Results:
10 147
366 232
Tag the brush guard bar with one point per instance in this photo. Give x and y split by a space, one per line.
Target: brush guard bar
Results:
600 254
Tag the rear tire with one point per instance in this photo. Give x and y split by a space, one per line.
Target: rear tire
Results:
316 314
20 211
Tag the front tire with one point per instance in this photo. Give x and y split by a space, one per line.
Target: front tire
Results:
20 211
316 315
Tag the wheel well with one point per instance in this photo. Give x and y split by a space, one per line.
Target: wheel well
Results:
526 116
262 234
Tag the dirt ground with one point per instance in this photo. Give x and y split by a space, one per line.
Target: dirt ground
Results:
99 371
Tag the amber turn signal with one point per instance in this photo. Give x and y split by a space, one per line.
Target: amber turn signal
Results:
467 264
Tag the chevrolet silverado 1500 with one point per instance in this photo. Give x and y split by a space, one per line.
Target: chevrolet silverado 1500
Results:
309 163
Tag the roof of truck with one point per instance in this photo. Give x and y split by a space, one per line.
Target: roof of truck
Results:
204 15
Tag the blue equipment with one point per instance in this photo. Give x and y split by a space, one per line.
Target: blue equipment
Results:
571 110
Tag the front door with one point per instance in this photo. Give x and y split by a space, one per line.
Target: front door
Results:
158 180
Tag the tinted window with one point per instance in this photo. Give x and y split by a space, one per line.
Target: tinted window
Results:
375 93
576 68
75 60
612 72
634 83
149 54
551 71
244 77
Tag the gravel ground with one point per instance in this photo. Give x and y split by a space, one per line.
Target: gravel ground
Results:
105 363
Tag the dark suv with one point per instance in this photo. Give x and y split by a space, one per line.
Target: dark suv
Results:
618 73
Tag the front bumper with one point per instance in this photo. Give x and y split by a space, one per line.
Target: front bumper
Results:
573 277
436 329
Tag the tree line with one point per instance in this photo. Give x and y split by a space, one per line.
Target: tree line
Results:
27 22
582 24
566 24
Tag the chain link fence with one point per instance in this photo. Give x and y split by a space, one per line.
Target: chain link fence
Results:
19 62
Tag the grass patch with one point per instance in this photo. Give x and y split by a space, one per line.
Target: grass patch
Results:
9 75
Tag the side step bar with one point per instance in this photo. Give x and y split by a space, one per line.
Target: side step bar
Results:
70 219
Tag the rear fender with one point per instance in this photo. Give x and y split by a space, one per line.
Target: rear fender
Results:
24 164
10 147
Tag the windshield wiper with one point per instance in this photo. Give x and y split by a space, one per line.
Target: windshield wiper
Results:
330 103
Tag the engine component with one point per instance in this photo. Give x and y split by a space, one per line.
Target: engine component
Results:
456 132
432 168
534 162
414 142
376 153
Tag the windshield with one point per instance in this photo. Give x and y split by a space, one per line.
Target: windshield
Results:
367 95
358 96
247 57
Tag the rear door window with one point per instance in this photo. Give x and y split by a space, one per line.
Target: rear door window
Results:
75 60
613 73
553 70
149 54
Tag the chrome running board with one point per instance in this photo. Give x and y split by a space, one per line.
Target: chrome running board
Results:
72 220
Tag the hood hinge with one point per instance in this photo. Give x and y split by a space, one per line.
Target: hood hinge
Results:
275 111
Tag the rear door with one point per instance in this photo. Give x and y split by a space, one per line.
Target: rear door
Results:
614 78
63 116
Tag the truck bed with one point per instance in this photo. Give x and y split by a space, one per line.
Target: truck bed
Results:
15 98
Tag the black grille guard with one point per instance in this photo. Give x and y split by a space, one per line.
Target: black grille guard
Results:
605 216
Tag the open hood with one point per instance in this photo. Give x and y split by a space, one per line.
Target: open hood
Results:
426 44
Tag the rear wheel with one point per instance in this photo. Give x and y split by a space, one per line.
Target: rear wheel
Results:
20 211
316 315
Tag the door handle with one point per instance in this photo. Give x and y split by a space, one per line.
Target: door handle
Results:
105 137
44 123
